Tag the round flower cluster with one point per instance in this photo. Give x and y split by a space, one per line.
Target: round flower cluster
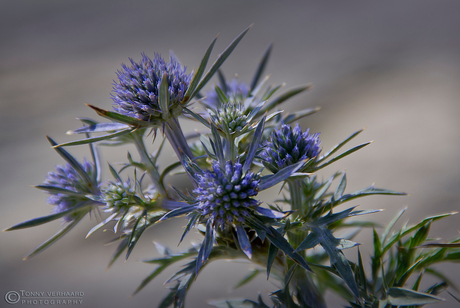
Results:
118 195
136 92
230 118
226 195
287 146
66 177
236 92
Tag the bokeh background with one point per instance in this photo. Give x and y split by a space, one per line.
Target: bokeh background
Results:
391 66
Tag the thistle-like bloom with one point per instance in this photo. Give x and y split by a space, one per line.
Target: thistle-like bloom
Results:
230 118
227 195
235 91
71 189
136 93
118 196
287 146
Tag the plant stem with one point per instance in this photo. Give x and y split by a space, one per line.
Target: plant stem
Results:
151 168
301 278
176 138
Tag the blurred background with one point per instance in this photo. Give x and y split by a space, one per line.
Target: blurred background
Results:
391 66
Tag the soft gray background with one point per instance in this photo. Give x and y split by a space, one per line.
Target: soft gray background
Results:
390 66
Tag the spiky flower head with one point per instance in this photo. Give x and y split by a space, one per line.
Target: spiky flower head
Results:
235 91
231 118
136 92
287 146
118 196
227 194
68 179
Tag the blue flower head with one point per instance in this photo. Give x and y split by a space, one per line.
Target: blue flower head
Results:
136 92
74 188
287 146
227 195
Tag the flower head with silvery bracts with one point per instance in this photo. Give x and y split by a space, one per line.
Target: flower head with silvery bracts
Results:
287 146
235 91
118 196
70 188
227 195
136 93
231 118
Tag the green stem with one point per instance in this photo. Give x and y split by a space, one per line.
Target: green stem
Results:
176 138
232 149
151 168
301 278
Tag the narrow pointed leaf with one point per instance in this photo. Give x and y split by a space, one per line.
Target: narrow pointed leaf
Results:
260 69
344 154
323 189
57 190
150 277
197 76
309 242
279 241
281 99
178 212
282 175
54 238
295 116
272 252
198 117
362 273
221 95
270 213
341 144
163 97
97 175
254 145
330 218
243 240
95 139
253 274
406 297
222 81
72 161
119 117
341 188
191 222
391 225
120 248
115 173
101 224
99 128
219 150
45 219
220 59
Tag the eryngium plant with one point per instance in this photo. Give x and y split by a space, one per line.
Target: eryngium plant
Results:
246 145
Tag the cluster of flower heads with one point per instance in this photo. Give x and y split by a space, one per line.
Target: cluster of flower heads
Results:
67 178
234 90
136 92
227 195
287 146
